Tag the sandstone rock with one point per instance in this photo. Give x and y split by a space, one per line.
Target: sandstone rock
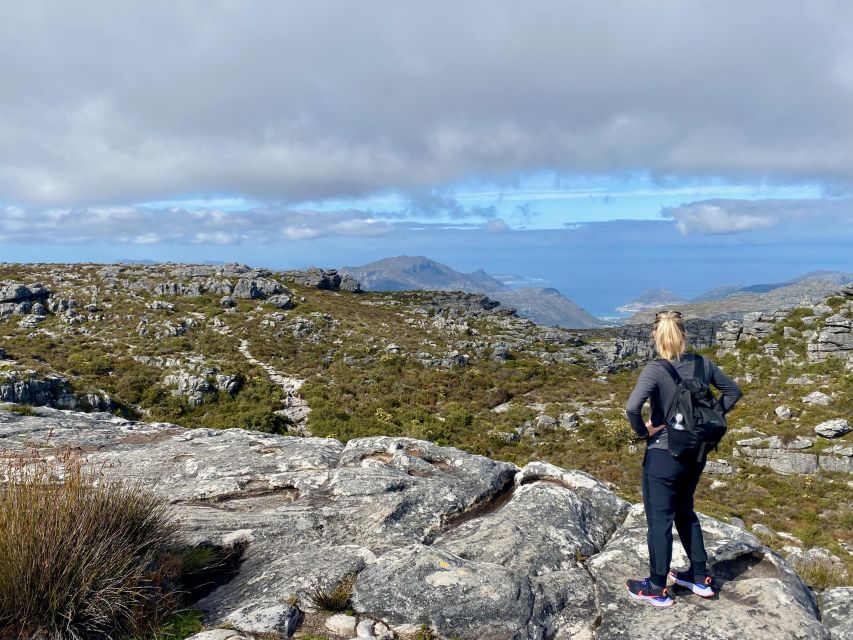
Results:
569 421
719 467
266 617
783 412
800 442
256 288
191 386
341 624
281 301
833 428
817 398
780 460
764 530
218 634
836 609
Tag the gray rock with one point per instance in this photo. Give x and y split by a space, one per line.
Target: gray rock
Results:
545 422
218 634
800 442
763 529
719 467
266 617
226 302
817 398
348 283
257 288
833 428
781 461
783 412
569 421
341 624
190 386
281 301
836 609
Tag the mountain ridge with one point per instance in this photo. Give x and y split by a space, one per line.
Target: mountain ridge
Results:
545 306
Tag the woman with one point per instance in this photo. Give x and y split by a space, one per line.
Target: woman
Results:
669 483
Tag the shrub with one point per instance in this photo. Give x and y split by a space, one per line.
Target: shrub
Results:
80 556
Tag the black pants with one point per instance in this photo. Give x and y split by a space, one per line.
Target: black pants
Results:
668 487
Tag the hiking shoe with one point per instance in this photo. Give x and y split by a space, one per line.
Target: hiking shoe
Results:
645 591
701 585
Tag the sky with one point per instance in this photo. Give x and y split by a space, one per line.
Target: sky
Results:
601 148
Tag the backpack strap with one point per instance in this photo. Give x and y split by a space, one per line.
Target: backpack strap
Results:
667 365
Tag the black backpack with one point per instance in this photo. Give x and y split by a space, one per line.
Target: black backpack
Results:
703 424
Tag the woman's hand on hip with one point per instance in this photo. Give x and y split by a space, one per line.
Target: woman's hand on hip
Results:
654 430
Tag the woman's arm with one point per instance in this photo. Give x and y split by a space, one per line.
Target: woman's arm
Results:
731 392
634 407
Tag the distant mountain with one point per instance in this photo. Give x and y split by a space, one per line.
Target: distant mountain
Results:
136 261
405 273
830 277
730 302
651 299
543 306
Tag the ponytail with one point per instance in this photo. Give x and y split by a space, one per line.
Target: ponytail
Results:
669 334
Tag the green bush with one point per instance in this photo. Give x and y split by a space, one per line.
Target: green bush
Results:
81 557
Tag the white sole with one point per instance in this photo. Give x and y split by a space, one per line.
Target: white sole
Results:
699 590
668 603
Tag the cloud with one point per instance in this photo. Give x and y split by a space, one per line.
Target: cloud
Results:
288 102
496 225
147 226
717 217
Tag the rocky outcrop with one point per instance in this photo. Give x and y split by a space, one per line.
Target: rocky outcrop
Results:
29 387
790 458
21 299
829 333
470 547
328 279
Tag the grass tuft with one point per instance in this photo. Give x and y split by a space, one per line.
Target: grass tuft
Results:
337 598
80 556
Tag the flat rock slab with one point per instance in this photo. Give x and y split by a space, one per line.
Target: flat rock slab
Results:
470 547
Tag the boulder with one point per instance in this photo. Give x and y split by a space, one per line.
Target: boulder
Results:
257 288
817 398
833 428
783 412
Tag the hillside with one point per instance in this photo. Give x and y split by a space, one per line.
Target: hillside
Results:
294 354
731 303
406 273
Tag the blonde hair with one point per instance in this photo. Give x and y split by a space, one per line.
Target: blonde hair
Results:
670 338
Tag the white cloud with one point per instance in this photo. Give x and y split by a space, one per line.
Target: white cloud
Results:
130 225
716 217
497 225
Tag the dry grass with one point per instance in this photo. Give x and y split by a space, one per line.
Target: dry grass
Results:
80 556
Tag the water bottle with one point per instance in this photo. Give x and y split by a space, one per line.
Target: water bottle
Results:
679 422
